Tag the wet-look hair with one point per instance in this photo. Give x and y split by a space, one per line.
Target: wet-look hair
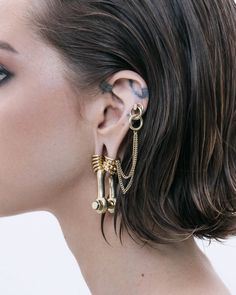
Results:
185 50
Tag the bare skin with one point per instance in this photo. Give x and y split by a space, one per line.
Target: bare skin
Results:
46 151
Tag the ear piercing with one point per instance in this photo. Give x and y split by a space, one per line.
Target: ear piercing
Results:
103 164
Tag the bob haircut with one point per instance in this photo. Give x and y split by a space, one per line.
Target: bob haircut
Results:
185 179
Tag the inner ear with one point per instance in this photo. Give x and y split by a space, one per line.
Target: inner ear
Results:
112 112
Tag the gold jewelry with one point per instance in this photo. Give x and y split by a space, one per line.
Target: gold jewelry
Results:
110 166
102 164
133 117
100 204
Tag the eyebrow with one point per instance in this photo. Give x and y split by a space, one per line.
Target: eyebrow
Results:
7 46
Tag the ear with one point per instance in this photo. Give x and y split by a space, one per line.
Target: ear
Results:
119 94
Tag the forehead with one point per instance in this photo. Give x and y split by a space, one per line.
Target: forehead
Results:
15 25
13 28
17 29
12 15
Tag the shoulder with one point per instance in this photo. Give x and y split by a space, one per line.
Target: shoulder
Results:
209 290
217 289
213 286
204 283
194 287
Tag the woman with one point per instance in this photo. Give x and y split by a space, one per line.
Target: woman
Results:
118 117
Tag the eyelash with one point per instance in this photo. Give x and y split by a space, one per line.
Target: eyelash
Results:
4 72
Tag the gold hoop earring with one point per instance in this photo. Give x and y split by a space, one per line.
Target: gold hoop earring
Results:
100 204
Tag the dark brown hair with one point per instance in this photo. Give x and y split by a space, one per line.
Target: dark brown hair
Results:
185 178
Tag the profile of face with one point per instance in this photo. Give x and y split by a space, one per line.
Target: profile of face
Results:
40 142
45 148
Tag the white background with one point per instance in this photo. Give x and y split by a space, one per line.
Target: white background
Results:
35 259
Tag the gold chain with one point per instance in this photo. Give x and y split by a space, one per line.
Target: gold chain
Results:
120 173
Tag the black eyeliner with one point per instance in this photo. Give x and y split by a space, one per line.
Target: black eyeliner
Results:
8 74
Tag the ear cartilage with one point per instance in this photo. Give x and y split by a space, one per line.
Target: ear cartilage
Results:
105 86
144 90
144 93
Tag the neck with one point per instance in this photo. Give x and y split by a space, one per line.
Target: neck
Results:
118 269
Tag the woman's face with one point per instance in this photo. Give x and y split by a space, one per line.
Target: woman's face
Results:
43 145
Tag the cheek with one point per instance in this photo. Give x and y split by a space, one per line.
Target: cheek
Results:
42 149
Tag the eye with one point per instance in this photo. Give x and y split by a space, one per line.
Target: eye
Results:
4 75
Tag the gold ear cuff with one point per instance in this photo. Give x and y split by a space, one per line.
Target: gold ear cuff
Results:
103 164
